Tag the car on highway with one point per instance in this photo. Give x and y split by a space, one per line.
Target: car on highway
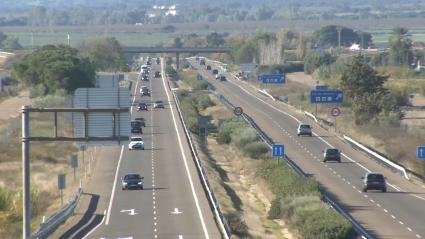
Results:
142 121
145 92
157 74
136 127
197 58
145 77
136 143
202 61
331 154
208 67
158 104
304 129
142 106
132 180
222 78
374 181
215 72
158 61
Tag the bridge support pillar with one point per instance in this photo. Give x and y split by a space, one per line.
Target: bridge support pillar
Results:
178 60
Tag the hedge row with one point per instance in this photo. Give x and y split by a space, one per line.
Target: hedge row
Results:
190 105
299 201
237 131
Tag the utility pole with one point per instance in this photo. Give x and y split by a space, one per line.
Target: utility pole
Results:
25 174
339 29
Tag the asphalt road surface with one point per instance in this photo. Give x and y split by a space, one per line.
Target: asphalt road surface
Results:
399 213
173 203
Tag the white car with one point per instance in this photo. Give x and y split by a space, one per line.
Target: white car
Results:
136 143
304 129
143 88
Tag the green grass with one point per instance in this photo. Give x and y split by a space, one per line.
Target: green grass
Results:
126 38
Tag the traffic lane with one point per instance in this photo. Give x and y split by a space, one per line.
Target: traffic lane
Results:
173 173
232 92
123 223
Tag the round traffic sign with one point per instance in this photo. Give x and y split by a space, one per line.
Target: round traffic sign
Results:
335 111
238 111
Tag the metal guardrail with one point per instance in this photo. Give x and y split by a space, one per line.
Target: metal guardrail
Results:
357 227
376 156
47 227
205 183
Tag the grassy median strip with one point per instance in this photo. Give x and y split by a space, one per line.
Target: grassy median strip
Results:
238 164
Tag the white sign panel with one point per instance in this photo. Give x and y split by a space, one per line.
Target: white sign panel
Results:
102 124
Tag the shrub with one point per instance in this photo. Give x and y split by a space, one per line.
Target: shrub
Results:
275 211
6 197
255 150
49 101
237 225
244 136
314 60
203 101
226 128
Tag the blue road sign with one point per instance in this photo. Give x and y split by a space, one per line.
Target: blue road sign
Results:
420 152
272 78
326 96
278 150
199 77
321 87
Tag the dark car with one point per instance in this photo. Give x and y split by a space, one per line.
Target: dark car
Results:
148 63
374 181
132 180
197 58
215 72
222 78
145 77
208 67
158 61
136 127
202 62
331 154
157 74
142 121
142 106
145 92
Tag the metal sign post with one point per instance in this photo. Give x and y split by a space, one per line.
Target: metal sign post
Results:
335 112
278 151
87 135
74 164
61 185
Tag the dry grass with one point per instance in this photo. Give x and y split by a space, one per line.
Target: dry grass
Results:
48 159
238 190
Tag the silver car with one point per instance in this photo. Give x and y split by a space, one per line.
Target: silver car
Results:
304 129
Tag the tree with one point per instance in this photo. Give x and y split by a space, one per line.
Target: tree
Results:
11 43
400 47
315 59
105 54
177 42
215 39
53 68
365 88
328 36
2 38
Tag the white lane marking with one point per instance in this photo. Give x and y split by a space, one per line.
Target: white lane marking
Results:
195 197
385 210
416 196
113 187
379 205
417 235
98 225
401 222
134 97
393 216
176 211
130 212
319 137
180 237
408 228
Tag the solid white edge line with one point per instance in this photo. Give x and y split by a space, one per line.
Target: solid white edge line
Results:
98 225
113 187
195 197
298 121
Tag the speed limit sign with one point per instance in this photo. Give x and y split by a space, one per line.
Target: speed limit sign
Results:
335 111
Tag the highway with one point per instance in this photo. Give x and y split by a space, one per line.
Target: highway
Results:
399 213
173 203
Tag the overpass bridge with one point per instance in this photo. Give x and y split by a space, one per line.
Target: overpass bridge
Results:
176 50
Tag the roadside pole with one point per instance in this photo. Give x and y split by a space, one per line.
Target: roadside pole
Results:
25 174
